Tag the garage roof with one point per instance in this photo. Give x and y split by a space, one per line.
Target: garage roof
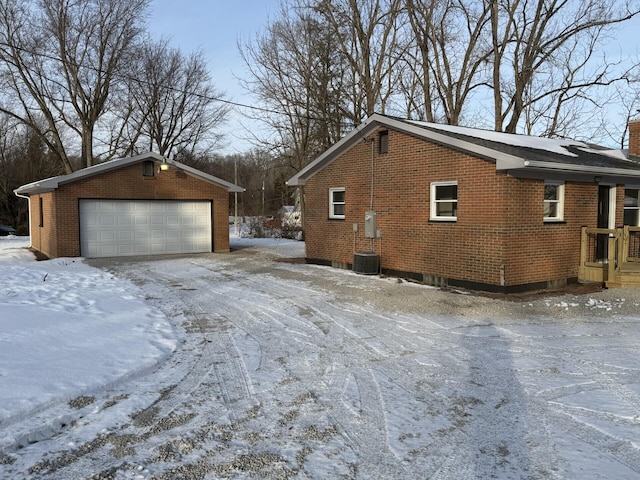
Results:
50 184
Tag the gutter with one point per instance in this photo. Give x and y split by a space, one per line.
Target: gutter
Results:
536 164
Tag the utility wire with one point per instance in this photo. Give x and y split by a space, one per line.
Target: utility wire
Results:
151 84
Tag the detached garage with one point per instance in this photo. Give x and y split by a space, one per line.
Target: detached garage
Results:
142 205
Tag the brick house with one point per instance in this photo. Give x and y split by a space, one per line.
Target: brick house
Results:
464 207
130 206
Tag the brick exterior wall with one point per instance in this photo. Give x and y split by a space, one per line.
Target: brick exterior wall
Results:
43 238
499 239
60 235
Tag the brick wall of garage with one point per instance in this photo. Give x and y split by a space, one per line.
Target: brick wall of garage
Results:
128 183
43 237
499 237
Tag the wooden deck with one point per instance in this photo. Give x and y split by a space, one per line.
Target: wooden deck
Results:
610 256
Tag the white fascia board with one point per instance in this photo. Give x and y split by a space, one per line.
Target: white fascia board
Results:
503 159
41 186
107 166
50 184
230 187
325 159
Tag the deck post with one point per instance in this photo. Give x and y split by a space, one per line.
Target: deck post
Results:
583 246
624 257
611 265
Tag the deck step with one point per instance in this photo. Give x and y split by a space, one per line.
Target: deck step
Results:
625 280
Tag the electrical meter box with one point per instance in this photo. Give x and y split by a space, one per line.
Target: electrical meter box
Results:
370 224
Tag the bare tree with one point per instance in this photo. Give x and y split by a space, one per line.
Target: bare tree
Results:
450 54
368 36
61 60
627 99
176 108
296 71
535 65
27 92
24 158
533 42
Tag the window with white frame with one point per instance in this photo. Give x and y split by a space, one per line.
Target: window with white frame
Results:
632 206
553 201
337 203
444 201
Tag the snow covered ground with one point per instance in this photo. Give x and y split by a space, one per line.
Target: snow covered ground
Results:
66 329
254 365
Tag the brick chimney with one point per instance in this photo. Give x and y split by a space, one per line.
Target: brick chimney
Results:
634 138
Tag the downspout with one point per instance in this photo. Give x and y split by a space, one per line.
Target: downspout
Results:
373 142
29 218
372 173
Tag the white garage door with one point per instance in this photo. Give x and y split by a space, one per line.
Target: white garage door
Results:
113 228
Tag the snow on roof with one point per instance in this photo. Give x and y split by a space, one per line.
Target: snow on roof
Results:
619 154
554 145
510 151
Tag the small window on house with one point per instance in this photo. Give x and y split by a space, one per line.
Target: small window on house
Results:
337 203
553 201
444 201
147 168
41 211
383 142
632 206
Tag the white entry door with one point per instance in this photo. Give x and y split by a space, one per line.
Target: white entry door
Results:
113 228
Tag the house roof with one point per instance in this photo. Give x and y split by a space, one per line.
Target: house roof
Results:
50 184
518 155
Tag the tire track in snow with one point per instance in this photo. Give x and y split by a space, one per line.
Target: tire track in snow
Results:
623 451
369 424
566 418
345 353
221 354
216 355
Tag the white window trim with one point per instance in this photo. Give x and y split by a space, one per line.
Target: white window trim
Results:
632 187
433 202
560 202
612 206
332 203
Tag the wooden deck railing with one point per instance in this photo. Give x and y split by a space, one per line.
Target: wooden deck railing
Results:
607 253
631 238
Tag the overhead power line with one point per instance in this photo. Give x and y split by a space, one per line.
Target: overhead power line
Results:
125 77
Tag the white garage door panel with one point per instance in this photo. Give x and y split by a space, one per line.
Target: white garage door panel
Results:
134 227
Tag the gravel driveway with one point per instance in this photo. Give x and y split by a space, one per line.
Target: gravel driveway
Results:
286 370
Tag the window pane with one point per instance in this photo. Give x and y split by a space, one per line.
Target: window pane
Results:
446 192
338 209
338 196
550 209
631 217
384 142
446 209
631 197
551 192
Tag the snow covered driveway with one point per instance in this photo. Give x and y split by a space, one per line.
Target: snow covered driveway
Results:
286 370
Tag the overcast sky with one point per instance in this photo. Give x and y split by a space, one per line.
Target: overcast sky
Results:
215 27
